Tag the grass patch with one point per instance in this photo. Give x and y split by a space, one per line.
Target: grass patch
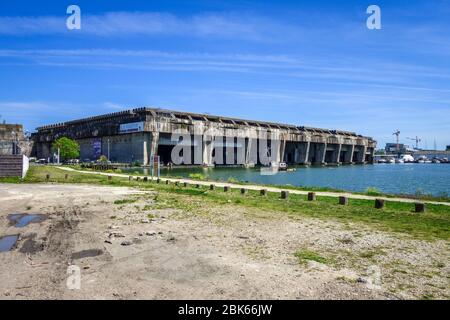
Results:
396 216
307 255
125 201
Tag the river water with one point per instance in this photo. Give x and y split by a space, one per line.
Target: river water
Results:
409 179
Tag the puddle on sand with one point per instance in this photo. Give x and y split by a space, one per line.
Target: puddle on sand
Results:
8 242
20 220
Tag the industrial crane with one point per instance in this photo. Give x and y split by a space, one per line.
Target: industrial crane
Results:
417 140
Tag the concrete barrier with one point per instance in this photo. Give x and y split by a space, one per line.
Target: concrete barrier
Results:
311 196
343 201
420 207
379 203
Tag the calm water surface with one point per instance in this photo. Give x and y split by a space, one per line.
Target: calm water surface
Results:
389 178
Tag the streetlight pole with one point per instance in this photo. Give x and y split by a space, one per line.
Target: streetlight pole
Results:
108 150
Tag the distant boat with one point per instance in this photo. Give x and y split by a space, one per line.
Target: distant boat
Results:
399 161
392 160
282 166
382 161
408 158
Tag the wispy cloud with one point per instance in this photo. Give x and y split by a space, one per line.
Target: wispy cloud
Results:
229 25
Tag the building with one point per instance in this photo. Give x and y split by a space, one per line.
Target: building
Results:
13 140
138 134
392 148
447 148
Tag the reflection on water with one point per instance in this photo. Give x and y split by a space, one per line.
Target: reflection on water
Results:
389 178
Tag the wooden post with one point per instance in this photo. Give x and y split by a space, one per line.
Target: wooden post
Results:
167 181
66 176
109 178
185 184
263 192
244 191
145 179
130 178
284 194
212 187
311 196
226 188
420 207
47 177
158 180
176 183
343 201
379 203
197 185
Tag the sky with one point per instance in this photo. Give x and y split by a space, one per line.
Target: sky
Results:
308 63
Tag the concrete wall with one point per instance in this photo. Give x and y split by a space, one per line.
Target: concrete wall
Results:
11 165
299 145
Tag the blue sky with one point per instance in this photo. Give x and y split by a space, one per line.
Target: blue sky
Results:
309 63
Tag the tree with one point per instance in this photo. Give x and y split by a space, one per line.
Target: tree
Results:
68 148
103 159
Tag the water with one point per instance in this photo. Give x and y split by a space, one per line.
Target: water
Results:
8 242
388 178
21 220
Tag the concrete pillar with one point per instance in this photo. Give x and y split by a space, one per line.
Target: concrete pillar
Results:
362 154
337 154
154 144
145 160
240 151
282 150
324 152
308 147
207 152
251 151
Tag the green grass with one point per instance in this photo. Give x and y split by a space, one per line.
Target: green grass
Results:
307 255
371 191
125 201
395 217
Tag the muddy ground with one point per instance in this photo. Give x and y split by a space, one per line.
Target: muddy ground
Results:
130 244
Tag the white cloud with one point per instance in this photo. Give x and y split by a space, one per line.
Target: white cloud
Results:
112 24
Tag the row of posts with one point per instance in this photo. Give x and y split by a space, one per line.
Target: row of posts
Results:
379 203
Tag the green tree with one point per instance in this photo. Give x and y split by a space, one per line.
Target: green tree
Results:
103 159
68 148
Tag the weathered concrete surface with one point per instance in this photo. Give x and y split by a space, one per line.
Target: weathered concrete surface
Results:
241 139
13 141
